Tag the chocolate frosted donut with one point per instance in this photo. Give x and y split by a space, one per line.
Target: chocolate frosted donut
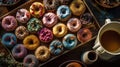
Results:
84 35
42 53
19 51
23 15
50 19
51 5
86 18
30 61
74 24
21 32
9 23
45 35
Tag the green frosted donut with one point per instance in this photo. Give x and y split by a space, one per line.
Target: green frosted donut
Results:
34 25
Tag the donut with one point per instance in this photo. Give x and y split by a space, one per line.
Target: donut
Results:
56 47
86 18
31 42
73 64
74 24
45 35
9 23
77 7
84 35
21 32
9 40
69 41
42 53
65 2
63 12
23 15
30 61
49 19
19 51
37 9
59 30
34 25
51 5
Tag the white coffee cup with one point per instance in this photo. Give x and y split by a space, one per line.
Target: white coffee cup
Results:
89 57
106 44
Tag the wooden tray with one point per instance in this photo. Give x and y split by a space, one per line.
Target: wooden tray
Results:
94 27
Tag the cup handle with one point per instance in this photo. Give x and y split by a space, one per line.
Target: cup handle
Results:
107 21
99 50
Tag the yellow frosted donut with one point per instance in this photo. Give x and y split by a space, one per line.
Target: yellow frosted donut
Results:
31 42
37 9
77 7
60 30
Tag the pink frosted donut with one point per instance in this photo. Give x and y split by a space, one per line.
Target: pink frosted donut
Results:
45 35
84 35
49 19
9 23
23 15
74 24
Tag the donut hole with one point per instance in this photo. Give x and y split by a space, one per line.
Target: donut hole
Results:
29 60
8 22
30 41
74 24
63 11
20 32
49 19
60 29
8 39
42 52
50 2
18 51
92 55
36 9
84 35
77 5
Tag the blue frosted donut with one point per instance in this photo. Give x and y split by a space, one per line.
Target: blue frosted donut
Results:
9 40
19 51
30 61
63 12
70 41
56 47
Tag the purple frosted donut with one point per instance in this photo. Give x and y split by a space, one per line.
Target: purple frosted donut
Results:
19 51
49 19
74 24
9 23
85 18
30 61
23 15
45 35
84 35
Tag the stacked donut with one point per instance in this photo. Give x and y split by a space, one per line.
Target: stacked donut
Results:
46 29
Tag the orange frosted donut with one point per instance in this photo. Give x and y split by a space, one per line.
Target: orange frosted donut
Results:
77 7
37 9
31 42
84 35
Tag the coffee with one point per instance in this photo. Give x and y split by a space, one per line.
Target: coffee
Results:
110 40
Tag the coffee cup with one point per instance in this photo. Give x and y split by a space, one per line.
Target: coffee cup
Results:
89 57
107 44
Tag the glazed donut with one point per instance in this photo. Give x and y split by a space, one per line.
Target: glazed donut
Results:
19 51
63 12
30 61
34 25
77 7
37 9
56 47
69 41
84 35
50 19
51 5
86 18
31 42
45 35
73 64
74 24
23 15
59 30
9 23
9 40
42 53
21 32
